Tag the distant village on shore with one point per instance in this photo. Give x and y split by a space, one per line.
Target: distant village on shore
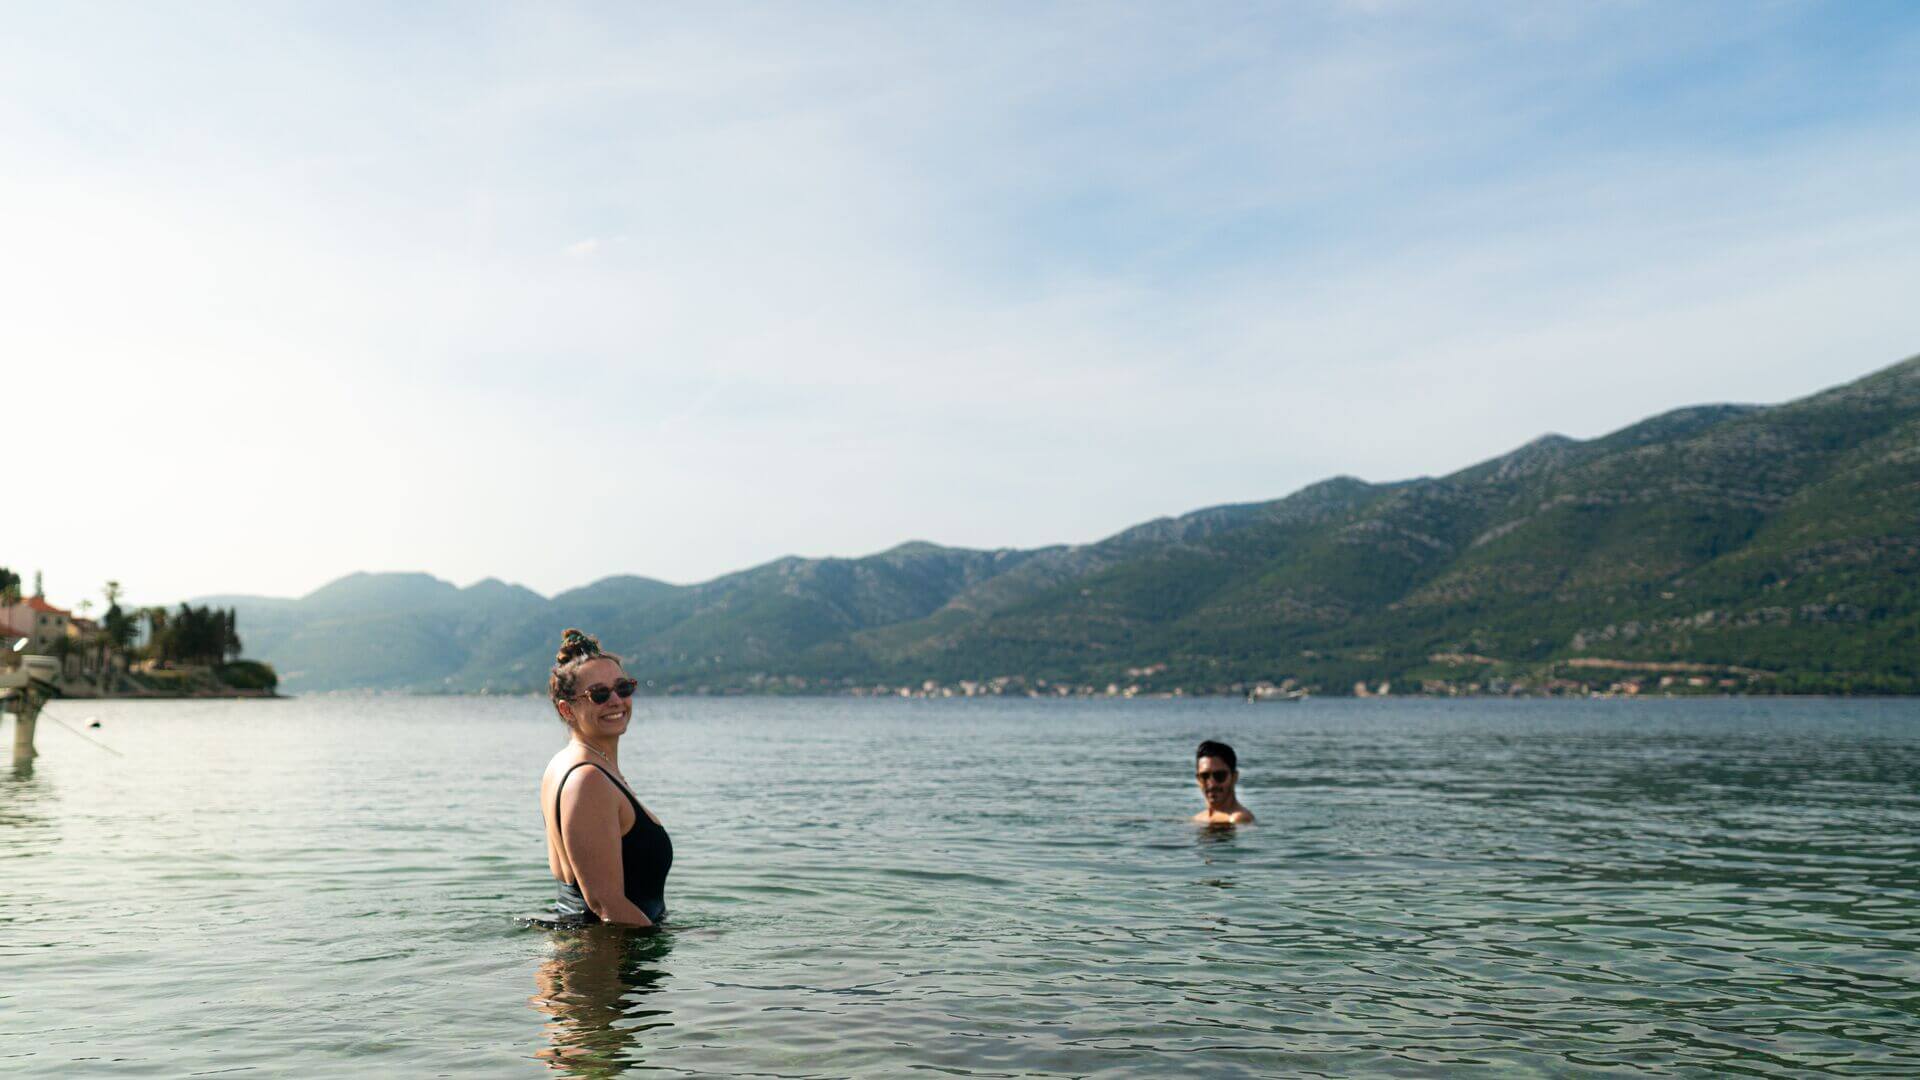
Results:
133 653
1593 678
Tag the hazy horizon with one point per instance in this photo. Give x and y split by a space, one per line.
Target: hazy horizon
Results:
549 594
552 294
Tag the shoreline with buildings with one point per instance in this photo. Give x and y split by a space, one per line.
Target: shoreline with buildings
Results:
194 653
1656 685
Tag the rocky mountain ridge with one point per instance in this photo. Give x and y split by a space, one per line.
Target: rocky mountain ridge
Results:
1782 541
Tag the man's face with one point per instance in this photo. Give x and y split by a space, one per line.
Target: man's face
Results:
1216 781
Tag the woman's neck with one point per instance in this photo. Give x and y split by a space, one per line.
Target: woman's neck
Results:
607 750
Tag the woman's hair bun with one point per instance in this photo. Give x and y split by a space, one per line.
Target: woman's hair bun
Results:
576 645
576 648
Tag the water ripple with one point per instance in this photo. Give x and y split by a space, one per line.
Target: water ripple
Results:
979 889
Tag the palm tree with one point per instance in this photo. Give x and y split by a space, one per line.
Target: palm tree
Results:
116 631
156 632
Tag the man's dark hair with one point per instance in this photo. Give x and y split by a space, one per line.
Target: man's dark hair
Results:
1220 750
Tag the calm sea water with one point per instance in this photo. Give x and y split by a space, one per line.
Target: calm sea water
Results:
333 886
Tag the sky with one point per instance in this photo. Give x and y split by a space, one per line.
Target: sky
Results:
548 292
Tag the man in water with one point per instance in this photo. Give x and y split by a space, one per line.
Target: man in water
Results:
1217 771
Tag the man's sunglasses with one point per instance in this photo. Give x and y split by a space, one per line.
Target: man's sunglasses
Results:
1218 776
600 694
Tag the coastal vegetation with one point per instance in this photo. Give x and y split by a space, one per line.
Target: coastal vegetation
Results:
150 652
1717 549
208 636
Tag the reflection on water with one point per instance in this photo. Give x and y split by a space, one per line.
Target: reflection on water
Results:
1213 841
1216 832
597 990
21 795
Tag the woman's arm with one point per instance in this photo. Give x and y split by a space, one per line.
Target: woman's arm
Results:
590 826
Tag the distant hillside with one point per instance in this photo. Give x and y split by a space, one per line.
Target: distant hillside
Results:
1775 548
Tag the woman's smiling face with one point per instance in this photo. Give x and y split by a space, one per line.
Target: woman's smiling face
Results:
607 720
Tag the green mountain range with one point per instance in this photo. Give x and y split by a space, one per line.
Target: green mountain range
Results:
1764 549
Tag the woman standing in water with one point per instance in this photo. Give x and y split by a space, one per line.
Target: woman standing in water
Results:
609 854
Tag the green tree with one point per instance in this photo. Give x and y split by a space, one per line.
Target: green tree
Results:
121 628
195 635
70 653
230 637
157 628
118 630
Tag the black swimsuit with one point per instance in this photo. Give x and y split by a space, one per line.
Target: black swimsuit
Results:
646 854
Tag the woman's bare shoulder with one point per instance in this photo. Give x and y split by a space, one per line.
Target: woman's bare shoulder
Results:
557 771
586 786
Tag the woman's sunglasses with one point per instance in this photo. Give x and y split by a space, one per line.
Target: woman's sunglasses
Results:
600 694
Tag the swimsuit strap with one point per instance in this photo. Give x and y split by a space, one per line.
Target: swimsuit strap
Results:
560 828
624 789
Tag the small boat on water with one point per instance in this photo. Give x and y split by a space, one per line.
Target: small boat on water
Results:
1274 693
